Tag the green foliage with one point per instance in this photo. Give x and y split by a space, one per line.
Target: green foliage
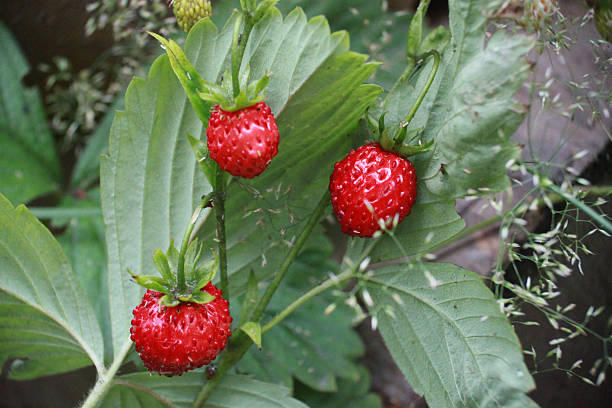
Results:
352 392
45 318
83 244
145 391
304 347
28 163
441 323
444 329
469 111
317 96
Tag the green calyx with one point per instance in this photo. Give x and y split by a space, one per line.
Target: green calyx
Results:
394 139
195 278
249 93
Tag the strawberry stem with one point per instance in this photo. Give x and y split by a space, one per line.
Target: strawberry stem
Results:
219 204
180 270
432 75
239 43
322 287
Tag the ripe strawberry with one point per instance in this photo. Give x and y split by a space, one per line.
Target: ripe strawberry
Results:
172 340
243 142
384 179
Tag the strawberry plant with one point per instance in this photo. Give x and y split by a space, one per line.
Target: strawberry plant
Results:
230 143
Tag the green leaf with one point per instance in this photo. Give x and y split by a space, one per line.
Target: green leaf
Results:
208 165
87 168
250 298
437 40
253 330
145 391
83 244
415 33
444 329
29 165
374 28
151 182
353 393
433 220
305 346
470 110
46 321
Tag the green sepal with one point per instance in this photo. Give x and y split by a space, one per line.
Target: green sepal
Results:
415 32
151 282
250 298
199 297
253 330
202 277
373 126
168 301
412 150
386 141
189 77
192 256
161 264
173 255
209 166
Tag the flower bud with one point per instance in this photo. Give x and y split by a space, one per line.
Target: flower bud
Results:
189 12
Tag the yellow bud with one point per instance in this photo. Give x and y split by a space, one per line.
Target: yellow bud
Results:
189 12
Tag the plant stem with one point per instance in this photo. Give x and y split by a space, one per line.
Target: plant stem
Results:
180 271
297 247
306 297
239 43
432 75
239 341
219 204
322 287
238 346
581 205
106 380
518 209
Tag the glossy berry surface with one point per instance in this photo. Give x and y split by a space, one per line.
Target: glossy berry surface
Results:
243 142
172 340
385 180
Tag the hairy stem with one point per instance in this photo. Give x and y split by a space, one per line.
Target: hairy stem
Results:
322 287
219 204
432 75
597 217
106 380
239 43
297 247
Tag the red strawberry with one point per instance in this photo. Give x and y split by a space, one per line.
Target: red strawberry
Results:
172 340
385 180
243 142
